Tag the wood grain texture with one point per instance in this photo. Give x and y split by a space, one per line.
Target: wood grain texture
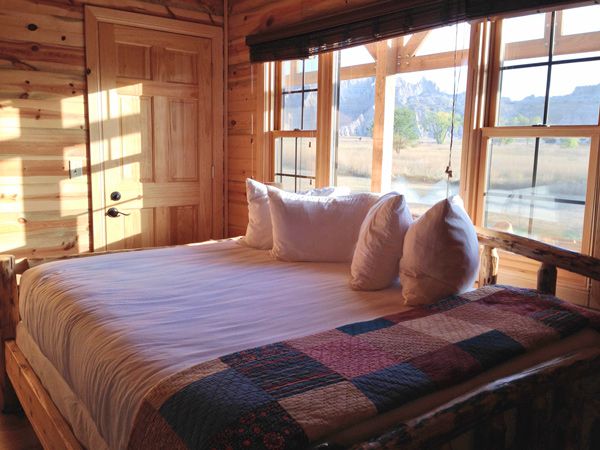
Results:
539 251
9 318
44 120
50 427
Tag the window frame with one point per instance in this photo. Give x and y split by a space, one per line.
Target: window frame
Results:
518 270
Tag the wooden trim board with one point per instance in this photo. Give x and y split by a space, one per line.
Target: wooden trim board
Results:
51 428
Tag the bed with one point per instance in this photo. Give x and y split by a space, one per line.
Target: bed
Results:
116 341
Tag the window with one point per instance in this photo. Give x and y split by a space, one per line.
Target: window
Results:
538 162
521 106
430 83
295 136
355 115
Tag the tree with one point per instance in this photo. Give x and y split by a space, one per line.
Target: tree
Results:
438 124
569 143
406 130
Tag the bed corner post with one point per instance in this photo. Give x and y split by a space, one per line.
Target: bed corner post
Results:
9 317
488 271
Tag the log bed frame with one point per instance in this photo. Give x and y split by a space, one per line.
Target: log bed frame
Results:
21 388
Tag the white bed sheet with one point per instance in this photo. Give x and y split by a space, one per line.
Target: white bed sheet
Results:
164 310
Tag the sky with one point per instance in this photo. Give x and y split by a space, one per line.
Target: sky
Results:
517 83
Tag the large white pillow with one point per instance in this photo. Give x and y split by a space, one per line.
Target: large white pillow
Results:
380 242
441 254
316 228
259 232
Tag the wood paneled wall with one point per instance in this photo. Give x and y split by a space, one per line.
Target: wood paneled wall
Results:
43 118
247 17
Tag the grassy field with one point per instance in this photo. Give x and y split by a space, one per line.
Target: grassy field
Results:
418 173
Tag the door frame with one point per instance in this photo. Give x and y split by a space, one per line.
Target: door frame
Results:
96 111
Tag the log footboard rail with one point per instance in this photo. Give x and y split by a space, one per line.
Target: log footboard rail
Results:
54 431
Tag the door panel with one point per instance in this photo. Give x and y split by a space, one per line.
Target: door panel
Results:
159 135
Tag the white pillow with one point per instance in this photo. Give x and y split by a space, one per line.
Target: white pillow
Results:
441 254
259 232
380 241
316 228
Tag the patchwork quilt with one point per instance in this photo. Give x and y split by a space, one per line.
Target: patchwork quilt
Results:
293 393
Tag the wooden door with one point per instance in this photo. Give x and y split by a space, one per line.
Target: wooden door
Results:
160 132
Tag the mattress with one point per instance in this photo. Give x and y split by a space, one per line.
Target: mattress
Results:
102 331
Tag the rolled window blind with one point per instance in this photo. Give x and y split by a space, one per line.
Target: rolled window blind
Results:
380 20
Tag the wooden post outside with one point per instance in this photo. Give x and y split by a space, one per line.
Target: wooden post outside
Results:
9 317
546 279
488 272
383 116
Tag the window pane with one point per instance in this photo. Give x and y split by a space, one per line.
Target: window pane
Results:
295 162
574 94
444 39
522 95
311 66
580 20
355 56
310 111
354 151
292 74
525 40
291 112
422 125
547 205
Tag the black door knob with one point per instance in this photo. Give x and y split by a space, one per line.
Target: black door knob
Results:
114 196
114 212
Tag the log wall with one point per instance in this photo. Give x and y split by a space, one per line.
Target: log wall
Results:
43 118
248 17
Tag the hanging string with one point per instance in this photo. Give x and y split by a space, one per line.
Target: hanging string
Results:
454 95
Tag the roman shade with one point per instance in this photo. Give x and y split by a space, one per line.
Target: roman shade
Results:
376 21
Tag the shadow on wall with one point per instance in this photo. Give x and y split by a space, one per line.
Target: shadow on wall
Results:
45 188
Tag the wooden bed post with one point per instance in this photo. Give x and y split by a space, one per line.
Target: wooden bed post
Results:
9 317
546 279
488 268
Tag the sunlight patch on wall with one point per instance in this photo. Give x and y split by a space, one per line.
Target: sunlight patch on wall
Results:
10 122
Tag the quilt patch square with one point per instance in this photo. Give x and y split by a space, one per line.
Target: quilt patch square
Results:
351 356
530 301
447 364
394 386
281 370
447 304
529 332
308 342
268 427
445 327
341 403
354 329
480 293
565 322
227 395
403 343
491 348
414 313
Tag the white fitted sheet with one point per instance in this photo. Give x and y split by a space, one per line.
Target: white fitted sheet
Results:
102 331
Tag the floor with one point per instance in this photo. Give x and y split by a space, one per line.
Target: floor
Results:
17 434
